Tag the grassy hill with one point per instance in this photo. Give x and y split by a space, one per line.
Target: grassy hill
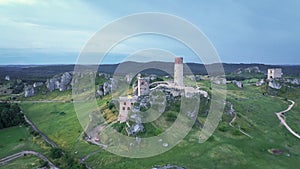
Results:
227 148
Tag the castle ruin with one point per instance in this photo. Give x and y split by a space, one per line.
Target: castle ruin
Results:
143 86
126 104
274 73
178 71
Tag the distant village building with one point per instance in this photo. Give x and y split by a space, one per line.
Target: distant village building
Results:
126 104
143 86
178 71
274 73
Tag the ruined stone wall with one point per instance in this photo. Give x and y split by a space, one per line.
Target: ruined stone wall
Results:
274 73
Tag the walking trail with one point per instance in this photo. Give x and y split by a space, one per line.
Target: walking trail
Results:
281 117
7 159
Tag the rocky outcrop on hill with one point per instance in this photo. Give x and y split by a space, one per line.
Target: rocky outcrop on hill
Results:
295 81
129 77
37 84
29 91
254 69
259 83
238 84
100 90
274 84
194 77
107 87
218 80
134 129
105 75
153 77
170 92
61 82
7 77
284 82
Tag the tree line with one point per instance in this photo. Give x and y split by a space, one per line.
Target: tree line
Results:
10 115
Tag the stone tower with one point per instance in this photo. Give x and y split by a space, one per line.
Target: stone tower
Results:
274 73
143 86
178 71
126 104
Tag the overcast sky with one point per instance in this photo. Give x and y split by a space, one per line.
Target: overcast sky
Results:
54 32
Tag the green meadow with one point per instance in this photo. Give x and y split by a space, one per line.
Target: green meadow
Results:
16 139
227 148
59 122
26 162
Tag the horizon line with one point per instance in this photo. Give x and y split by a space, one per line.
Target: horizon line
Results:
68 64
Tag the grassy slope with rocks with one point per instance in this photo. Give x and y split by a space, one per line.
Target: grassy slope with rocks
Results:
225 149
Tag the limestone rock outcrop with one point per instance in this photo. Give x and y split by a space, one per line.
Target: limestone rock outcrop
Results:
29 91
295 81
105 75
254 69
107 87
7 77
100 90
37 84
238 84
218 80
259 83
61 82
274 84
129 77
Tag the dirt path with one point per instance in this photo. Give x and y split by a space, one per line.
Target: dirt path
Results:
233 119
89 155
230 124
7 159
281 117
44 137
34 101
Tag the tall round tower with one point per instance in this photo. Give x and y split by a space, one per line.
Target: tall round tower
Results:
178 71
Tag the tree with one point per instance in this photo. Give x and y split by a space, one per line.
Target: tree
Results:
56 153
10 115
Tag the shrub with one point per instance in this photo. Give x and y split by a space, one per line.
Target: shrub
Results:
111 105
223 127
171 116
56 153
236 132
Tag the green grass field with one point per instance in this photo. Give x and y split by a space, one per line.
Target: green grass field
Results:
44 94
16 139
225 149
27 162
63 128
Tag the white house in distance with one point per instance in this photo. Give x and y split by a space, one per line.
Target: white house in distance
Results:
274 73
